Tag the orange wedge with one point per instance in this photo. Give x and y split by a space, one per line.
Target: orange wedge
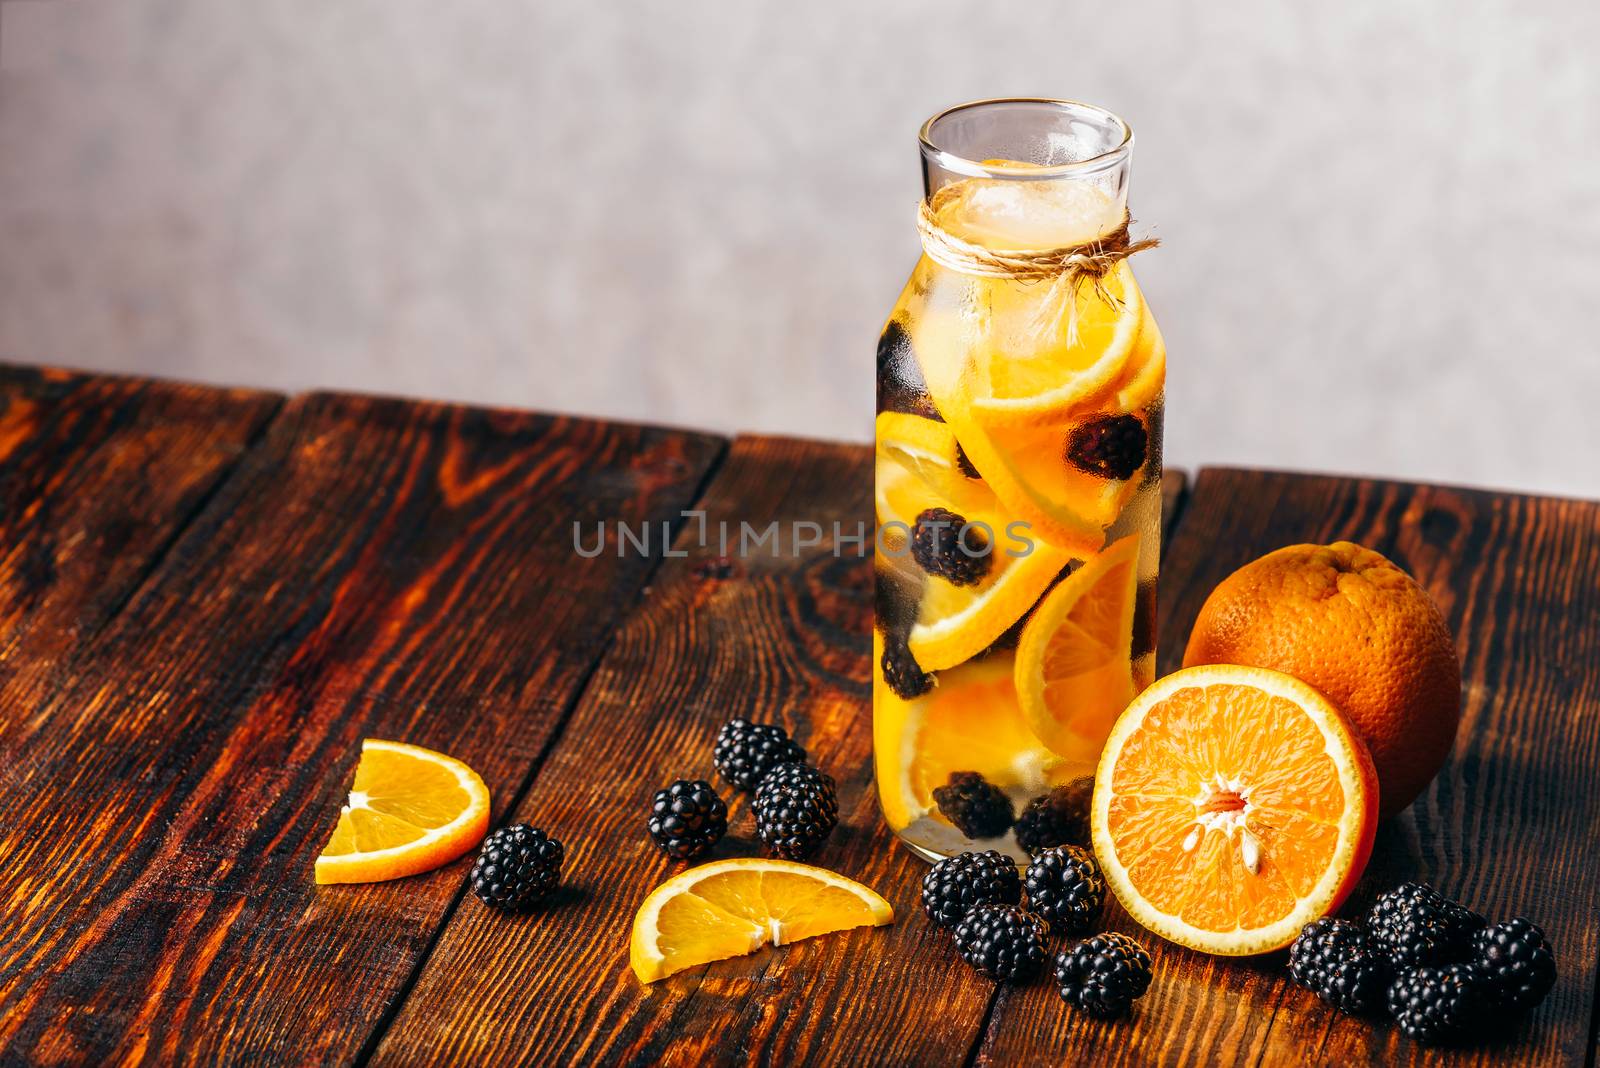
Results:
1073 671
410 810
732 907
1232 806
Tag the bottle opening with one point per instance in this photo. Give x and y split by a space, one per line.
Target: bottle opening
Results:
1053 138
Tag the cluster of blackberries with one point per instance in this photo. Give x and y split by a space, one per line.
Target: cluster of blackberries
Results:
979 809
1441 970
795 805
979 897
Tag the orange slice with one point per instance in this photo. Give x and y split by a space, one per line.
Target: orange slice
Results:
954 623
1073 672
1232 806
1145 378
410 810
968 722
1051 350
925 449
732 907
1028 472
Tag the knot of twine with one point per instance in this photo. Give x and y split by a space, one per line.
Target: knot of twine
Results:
1069 263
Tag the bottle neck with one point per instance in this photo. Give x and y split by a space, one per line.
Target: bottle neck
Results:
1002 214
1027 174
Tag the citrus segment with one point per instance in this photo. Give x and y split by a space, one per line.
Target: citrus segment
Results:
732 907
410 810
1029 474
1232 806
1073 676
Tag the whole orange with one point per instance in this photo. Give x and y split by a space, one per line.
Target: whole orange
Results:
1349 622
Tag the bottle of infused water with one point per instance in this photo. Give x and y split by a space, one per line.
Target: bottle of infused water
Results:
1018 480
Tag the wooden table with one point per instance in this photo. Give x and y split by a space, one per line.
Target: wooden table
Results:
208 598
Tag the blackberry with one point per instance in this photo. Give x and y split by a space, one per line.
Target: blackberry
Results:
1111 447
1065 886
1439 1005
518 866
977 807
946 546
1464 926
955 885
1415 925
1517 963
746 751
1060 817
901 387
901 671
796 808
1104 975
687 818
1335 960
1003 942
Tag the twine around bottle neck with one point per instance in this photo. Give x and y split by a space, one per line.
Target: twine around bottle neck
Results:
1089 260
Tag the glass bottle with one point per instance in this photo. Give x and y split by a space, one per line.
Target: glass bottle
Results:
1017 479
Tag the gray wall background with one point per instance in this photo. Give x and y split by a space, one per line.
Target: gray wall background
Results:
1382 220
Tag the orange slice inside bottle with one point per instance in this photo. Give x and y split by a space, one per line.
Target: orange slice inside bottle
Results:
1052 350
954 623
1073 670
969 721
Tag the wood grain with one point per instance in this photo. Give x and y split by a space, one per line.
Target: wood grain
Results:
1508 827
373 568
193 639
97 477
783 640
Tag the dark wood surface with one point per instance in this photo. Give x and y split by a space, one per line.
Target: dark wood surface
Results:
207 598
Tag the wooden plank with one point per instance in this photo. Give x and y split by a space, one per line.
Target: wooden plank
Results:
1507 827
374 568
97 477
784 640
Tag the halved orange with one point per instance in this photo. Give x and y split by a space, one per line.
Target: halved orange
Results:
1074 674
969 721
732 907
410 810
1232 806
